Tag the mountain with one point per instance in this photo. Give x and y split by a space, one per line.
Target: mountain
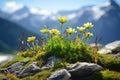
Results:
9 35
105 18
33 19
108 24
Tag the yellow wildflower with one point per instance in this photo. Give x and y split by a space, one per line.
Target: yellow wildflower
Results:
31 39
62 19
71 31
54 32
81 29
44 30
88 34
88 25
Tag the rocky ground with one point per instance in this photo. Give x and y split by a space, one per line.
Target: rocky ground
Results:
31 70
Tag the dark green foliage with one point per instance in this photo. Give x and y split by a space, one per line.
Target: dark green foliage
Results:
109 62
104 75
70 51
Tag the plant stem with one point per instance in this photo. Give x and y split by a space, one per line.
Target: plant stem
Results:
28 45
61 28
33 45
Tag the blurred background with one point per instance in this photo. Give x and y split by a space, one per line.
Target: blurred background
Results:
22 18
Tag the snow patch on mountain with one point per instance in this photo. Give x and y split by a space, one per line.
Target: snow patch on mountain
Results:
71 16
106 4
41 12
19 17
97 12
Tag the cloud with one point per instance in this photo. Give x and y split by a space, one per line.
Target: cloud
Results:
41 12
12 6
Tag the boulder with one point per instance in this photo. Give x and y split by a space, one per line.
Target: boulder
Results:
29 70
113 48
104 50
117 55
15 68
80 70
33 68
60 75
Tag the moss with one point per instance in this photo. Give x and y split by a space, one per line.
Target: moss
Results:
109 62
39 76
2 77
38 57
59 65
104 75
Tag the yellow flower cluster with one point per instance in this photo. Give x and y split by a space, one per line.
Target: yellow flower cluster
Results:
88 25
54 32
88 34
81 29
71 31
31 39
62 19
44 30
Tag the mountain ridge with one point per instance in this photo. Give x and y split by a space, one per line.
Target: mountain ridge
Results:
9 36
106 14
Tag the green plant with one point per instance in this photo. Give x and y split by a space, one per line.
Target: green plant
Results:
109 62
61 45
59 65
104 75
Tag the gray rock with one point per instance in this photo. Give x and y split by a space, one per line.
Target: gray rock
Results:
60 75
117 55
4 71
113 47
30 70
33 68
105 50
15 68
44 68
80 70
51 61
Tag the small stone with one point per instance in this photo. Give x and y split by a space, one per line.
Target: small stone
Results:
60 75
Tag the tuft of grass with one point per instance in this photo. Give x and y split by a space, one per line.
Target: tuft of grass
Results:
104 75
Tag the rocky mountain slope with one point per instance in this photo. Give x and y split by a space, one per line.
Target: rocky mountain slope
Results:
10 34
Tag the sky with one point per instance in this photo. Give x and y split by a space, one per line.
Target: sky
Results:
51 5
